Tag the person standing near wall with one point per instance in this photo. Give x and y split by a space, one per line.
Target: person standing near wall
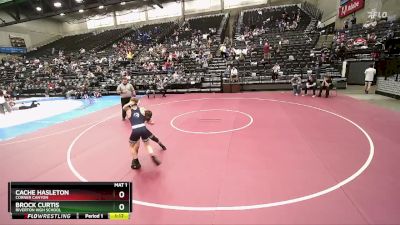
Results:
353 19
369 77
126 91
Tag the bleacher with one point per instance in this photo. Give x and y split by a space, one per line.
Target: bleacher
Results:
302 40
88 41
194 78
190 36
382 31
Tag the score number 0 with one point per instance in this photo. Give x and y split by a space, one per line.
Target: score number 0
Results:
121 195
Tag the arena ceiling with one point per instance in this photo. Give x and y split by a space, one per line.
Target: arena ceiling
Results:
19 11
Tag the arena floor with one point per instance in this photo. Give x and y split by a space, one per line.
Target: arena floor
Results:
246 158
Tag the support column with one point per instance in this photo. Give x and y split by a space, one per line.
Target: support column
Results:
146 15
115 18
183 9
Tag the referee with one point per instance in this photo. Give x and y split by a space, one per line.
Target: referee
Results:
126 91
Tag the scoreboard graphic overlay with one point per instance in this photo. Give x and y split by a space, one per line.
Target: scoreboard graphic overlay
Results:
70 200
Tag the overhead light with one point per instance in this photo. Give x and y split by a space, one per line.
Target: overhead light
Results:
78 1
101 6
57 4
81 11
62 14
123 3
38 9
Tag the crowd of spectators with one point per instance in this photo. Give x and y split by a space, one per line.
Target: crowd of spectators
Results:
168 60
368 38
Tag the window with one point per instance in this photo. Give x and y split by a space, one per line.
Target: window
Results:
131 16
169 10
239 3
103 21
196 6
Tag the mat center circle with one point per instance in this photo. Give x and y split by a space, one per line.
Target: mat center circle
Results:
211 121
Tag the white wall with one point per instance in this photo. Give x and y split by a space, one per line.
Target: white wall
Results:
34 32
330 8
201 6
228 4
74 28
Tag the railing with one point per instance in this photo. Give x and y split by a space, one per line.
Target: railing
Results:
222 27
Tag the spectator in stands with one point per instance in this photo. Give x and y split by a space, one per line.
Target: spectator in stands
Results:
371 38
234 75
151 88
126 91
161 86
97 94
311 83
275 71
326 84
4 106
227 72
342 52
320 25
370 24
266 50
223 51
294 25
353 19
281 25
369 77
285 41
129 55
176 76
296 84
277 49
346 24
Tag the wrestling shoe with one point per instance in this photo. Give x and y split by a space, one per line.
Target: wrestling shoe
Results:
155 160
135 164
163 147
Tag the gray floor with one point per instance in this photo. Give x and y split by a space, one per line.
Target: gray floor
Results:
357 92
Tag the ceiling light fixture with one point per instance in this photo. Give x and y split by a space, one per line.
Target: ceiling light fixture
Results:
62 14
57 4
101 6
123 3
81 11
38 9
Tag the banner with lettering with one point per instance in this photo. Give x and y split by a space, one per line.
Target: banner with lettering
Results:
350 7
12 50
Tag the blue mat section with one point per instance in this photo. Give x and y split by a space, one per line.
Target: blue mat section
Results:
89 106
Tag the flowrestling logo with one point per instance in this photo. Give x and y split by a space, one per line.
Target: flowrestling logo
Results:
350 7
373 14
